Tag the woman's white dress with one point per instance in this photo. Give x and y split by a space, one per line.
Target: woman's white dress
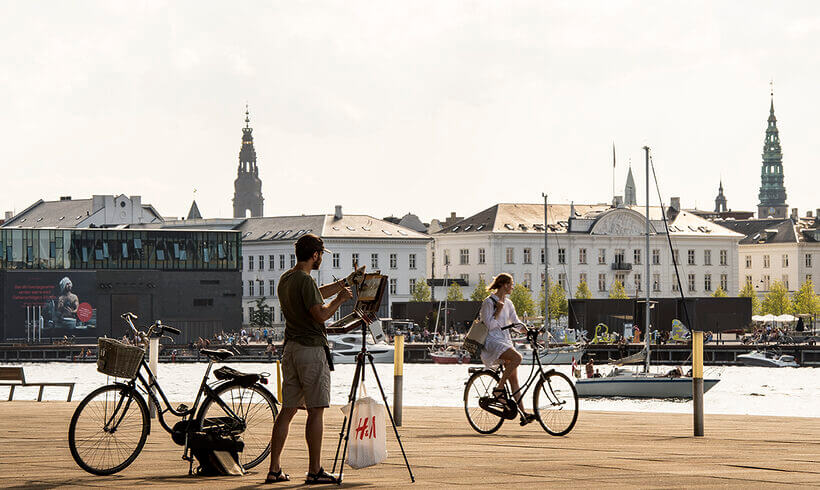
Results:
498 340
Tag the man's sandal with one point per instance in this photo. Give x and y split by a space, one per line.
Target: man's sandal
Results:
277 476
320 476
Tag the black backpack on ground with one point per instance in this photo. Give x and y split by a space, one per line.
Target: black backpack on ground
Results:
217 454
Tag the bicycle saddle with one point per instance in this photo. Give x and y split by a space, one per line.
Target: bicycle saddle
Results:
218 354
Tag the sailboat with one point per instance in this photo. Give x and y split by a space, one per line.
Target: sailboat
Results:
629 383
444 353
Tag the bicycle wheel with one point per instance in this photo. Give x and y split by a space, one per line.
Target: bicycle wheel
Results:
481 385
556 403
108 429
257 409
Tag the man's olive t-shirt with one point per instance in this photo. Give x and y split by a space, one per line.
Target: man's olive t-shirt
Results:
298 292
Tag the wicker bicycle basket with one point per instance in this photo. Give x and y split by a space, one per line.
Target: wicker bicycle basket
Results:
117 359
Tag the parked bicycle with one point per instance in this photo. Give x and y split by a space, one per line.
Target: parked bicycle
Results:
109 427
555 401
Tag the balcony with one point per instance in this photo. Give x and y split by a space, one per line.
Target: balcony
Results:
621 266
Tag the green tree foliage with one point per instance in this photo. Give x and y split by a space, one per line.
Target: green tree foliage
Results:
719 293
421 292
521 298
261 315
777 301
480 292
558 301
748 291
582 291
805 301
454 293
618 291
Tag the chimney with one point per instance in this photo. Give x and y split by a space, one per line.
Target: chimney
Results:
794 215
97 203
619 201
338 213
675 203
808 213
9 215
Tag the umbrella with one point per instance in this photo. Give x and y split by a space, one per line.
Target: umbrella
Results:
784 318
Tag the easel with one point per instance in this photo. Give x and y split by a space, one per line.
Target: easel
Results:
363 315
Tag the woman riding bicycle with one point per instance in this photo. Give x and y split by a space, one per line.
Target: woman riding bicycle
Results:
498 311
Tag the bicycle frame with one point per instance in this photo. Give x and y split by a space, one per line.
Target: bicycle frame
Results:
532 377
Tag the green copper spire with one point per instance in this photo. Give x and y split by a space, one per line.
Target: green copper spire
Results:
772 192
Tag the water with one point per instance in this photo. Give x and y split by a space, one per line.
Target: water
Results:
742 390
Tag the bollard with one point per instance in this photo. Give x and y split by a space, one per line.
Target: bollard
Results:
398 377
697 381
278 381
153 359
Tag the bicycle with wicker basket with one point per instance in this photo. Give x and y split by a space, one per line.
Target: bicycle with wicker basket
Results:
110 425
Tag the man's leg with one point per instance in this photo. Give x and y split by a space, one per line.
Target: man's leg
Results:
313 434
280 435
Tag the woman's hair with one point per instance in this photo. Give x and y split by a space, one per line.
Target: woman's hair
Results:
64 282
501 280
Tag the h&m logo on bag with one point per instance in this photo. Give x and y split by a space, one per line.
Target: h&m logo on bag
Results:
365 432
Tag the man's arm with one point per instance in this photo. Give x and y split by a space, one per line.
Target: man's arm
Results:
329 290
322 312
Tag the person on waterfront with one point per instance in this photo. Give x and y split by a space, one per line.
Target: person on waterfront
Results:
306 361
590 368
497 311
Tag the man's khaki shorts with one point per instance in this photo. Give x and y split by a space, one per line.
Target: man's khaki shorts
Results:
306 377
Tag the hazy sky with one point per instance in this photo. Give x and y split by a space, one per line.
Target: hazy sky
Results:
391 107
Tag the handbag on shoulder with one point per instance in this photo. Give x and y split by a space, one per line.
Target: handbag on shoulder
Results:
477 335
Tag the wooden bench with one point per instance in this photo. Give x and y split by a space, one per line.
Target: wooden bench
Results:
16 374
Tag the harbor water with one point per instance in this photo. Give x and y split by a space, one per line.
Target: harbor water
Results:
791 392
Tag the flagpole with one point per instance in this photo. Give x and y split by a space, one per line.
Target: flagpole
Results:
613 172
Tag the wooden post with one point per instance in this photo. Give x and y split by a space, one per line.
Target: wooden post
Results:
697 381
398 377
278 381
153 360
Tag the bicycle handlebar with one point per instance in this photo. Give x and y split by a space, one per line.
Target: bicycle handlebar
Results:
156 329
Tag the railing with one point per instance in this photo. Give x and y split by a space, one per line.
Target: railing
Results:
621 266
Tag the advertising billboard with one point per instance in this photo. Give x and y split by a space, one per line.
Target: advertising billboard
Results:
54 303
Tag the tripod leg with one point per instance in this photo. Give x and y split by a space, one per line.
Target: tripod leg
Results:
344 433
390 414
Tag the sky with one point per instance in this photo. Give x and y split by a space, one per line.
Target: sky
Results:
393 107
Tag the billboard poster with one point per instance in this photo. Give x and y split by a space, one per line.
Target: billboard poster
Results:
59 302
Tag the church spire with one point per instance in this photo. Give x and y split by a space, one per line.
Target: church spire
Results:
720 200
630 194
247 186
772 193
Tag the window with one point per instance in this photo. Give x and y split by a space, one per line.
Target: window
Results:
748 261
271 262
528 281
691 283
528 256
766 262
281 261
724 282
447 257
250 262
637 279
621 278
690 257
292 260
707 282
250 288
337 259
261 287
203 301
636 257
250 314
707 257
601 282
676 256
261 262
464 256
675 285
767 281
656 256
542 255
808 260
273 311
724 257
394 261
602 259
656 282
272 287
785 260
562 281
582 277
374 261
393 286
510 255
412 261
785 279
562 256
465 278
808 278
619 256
748 280
354 260
482 257
582 256
412 285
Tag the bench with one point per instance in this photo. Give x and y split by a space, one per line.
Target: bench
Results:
16 374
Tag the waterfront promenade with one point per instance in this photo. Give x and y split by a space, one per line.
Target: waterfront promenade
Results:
606 449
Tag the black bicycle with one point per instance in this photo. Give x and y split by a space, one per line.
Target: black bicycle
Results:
555 401
109 427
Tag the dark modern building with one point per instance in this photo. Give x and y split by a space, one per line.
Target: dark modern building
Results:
247 196
57 282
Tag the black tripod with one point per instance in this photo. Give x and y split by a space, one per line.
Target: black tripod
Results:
358 377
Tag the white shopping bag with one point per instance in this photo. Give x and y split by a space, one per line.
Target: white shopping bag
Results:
368 438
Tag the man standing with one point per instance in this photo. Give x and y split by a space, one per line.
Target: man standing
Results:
306 355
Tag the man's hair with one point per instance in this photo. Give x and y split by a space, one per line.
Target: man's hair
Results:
306 245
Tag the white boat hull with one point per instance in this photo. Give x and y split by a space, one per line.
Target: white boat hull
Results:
556 355
380 355
639 387
756 358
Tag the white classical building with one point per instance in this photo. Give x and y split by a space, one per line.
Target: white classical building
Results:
595 243
267 252
785 250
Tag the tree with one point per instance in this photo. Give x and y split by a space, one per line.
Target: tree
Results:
522 300
719 293
582 291
558 301
618 291
748 291
421 291
260 315
454 293
805 301
777 301
480 292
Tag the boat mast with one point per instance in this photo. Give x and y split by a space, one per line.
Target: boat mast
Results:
546 267
646 260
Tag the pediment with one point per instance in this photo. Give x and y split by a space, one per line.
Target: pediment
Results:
621 222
